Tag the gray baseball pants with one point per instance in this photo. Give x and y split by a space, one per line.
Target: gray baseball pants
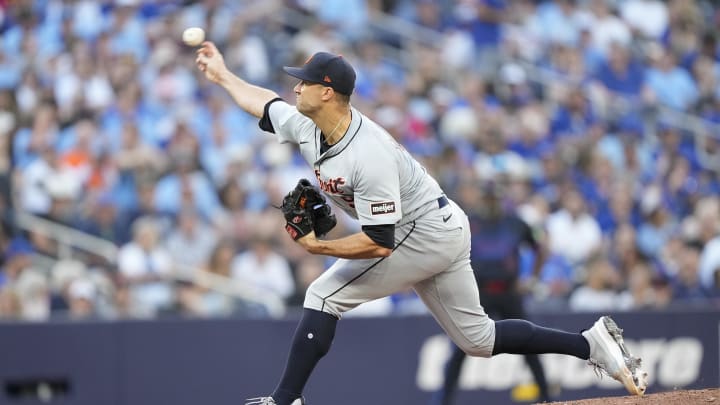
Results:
432 255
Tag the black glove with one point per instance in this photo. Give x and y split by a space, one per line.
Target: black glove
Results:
306 210
298 221
322 217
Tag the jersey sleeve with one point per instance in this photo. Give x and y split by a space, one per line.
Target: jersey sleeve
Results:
286 122
383 235
377 189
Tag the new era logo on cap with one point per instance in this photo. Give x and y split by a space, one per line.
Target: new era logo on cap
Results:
327 69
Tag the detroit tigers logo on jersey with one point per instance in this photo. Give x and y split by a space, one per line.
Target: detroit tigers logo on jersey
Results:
333 187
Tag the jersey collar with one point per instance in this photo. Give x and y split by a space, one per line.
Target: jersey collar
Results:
352 131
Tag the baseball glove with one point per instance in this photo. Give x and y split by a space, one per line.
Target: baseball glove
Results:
305 210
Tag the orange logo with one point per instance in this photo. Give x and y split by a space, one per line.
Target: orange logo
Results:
293 233
327 79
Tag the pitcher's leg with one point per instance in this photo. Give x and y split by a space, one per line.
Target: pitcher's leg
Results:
518 336
514 308
345 285
515 335
453 299
311 342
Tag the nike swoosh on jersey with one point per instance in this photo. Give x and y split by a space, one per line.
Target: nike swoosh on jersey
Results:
447 218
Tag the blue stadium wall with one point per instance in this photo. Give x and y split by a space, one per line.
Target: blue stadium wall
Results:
373 361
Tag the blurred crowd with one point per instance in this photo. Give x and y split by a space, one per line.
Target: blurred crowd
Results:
579 108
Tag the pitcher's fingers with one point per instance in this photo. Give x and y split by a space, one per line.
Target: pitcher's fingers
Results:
207 48
210 46
202 59
201 65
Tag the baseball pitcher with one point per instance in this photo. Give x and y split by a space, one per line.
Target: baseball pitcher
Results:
411 234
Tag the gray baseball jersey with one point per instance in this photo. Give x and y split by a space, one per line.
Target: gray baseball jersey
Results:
368 174
374 179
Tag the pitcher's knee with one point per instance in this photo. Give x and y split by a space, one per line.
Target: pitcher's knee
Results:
481 349
478 341
314 299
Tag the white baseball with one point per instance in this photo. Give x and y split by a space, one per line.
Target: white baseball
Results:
193 36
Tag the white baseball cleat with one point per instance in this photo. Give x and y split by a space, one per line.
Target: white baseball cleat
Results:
270 401
609 355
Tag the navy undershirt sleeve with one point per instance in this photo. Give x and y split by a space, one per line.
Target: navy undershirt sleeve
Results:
265 124
383 235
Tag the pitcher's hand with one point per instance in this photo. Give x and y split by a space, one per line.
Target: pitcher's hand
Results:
211 62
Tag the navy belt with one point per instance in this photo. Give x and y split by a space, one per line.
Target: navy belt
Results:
442 201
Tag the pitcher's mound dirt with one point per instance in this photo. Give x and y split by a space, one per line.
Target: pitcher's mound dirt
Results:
709 396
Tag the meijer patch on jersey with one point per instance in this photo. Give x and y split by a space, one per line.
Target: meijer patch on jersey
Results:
387 207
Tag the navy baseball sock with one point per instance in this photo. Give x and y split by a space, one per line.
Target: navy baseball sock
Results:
311 342
516 336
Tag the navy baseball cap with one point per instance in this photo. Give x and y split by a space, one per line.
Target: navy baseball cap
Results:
327 69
